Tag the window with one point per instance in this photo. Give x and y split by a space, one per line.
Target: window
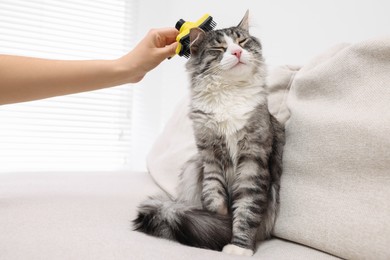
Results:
83 132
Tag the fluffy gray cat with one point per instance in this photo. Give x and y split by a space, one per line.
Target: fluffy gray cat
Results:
229 192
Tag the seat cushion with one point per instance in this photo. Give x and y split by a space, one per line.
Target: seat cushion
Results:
88 216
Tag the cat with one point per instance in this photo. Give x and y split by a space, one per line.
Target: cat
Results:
228 194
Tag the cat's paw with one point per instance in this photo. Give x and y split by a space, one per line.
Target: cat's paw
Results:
236 250
222 210
217 205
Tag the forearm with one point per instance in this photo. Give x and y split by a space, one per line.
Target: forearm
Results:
25 79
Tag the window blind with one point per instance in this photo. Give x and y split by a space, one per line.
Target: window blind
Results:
90 131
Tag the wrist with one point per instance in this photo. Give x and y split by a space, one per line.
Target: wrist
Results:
128 70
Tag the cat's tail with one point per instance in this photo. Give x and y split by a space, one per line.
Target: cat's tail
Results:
161 217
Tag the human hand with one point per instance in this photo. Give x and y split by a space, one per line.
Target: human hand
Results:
156 46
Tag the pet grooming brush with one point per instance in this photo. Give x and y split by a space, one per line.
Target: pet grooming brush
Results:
205 23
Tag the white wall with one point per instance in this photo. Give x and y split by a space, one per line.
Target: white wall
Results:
291 33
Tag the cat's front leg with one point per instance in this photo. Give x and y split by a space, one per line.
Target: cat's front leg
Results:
250 198
214 194
215 159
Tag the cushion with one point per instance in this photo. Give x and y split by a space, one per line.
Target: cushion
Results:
172 149
66 216
335 188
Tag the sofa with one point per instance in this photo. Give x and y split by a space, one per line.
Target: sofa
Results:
335 187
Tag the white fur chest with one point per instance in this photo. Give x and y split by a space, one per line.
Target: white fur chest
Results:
229 107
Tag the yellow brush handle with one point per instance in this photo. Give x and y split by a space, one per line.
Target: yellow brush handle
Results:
178 48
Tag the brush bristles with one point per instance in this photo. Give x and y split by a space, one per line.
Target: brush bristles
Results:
208 25
185 40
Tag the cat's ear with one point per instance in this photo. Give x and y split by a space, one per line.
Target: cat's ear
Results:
244 24
196 38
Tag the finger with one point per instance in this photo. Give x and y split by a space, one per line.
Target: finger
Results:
168 34
169 50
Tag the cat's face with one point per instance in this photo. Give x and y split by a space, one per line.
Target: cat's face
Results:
231 53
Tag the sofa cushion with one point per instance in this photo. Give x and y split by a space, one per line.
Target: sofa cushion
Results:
87 216
335 188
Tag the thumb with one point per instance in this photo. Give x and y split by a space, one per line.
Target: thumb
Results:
169 50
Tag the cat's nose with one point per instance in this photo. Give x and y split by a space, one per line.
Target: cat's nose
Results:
237 53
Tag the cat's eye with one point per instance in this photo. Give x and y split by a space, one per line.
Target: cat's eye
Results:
243 41
223 49
216 51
